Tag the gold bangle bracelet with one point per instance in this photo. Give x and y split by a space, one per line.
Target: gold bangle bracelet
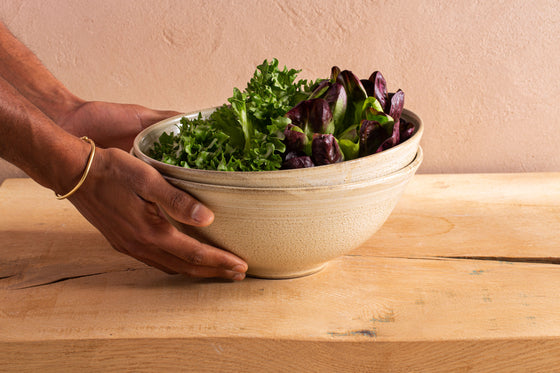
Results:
86 171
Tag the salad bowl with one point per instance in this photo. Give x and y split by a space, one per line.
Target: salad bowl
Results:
296 172
287 226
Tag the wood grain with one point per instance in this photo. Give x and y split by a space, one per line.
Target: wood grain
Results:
463 277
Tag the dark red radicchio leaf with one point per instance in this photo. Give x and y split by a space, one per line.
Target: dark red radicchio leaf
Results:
407 129
337 99
298 114
380 90
295 160
335 72
372 136
396 102
294 139
368 86
325 149
353 86
319 115
320 90
312 116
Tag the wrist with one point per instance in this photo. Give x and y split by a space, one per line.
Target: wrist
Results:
33 142
85 173
72 161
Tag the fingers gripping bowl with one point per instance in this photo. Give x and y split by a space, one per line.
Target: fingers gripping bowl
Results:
290 223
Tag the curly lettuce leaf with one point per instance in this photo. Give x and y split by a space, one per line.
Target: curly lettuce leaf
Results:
247 134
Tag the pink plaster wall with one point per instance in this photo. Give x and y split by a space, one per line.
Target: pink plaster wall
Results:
484 75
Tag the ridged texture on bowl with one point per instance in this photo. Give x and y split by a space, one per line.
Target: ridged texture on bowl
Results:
290 232
360 169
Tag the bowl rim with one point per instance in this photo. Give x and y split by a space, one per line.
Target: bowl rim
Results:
389 179
161 166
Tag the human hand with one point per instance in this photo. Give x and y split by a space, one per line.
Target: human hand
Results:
110 124
123 198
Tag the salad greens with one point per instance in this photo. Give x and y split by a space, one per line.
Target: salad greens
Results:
279 122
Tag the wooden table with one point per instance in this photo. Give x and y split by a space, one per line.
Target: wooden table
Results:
464 276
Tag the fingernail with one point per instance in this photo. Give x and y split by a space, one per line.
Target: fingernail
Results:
202 214
238 277
239 268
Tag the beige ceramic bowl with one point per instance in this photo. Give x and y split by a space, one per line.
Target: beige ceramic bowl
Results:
292 232
360 169
290 223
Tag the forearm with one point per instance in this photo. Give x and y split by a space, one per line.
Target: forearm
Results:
23 70
31 141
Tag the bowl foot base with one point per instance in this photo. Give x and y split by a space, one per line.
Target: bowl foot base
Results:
285 275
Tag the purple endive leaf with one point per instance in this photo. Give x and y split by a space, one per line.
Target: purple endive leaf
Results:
335 72
298 114
388 143
380 89
325 149
337 99
320 90
372 136
369 87
319 116
313 116
396 102
353 86
407 129
302 161
294 138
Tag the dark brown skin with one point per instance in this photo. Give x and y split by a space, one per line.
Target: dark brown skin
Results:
41 122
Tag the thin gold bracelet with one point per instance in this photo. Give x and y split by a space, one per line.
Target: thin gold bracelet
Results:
86 172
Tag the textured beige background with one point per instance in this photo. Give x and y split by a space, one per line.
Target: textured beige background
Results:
484 75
